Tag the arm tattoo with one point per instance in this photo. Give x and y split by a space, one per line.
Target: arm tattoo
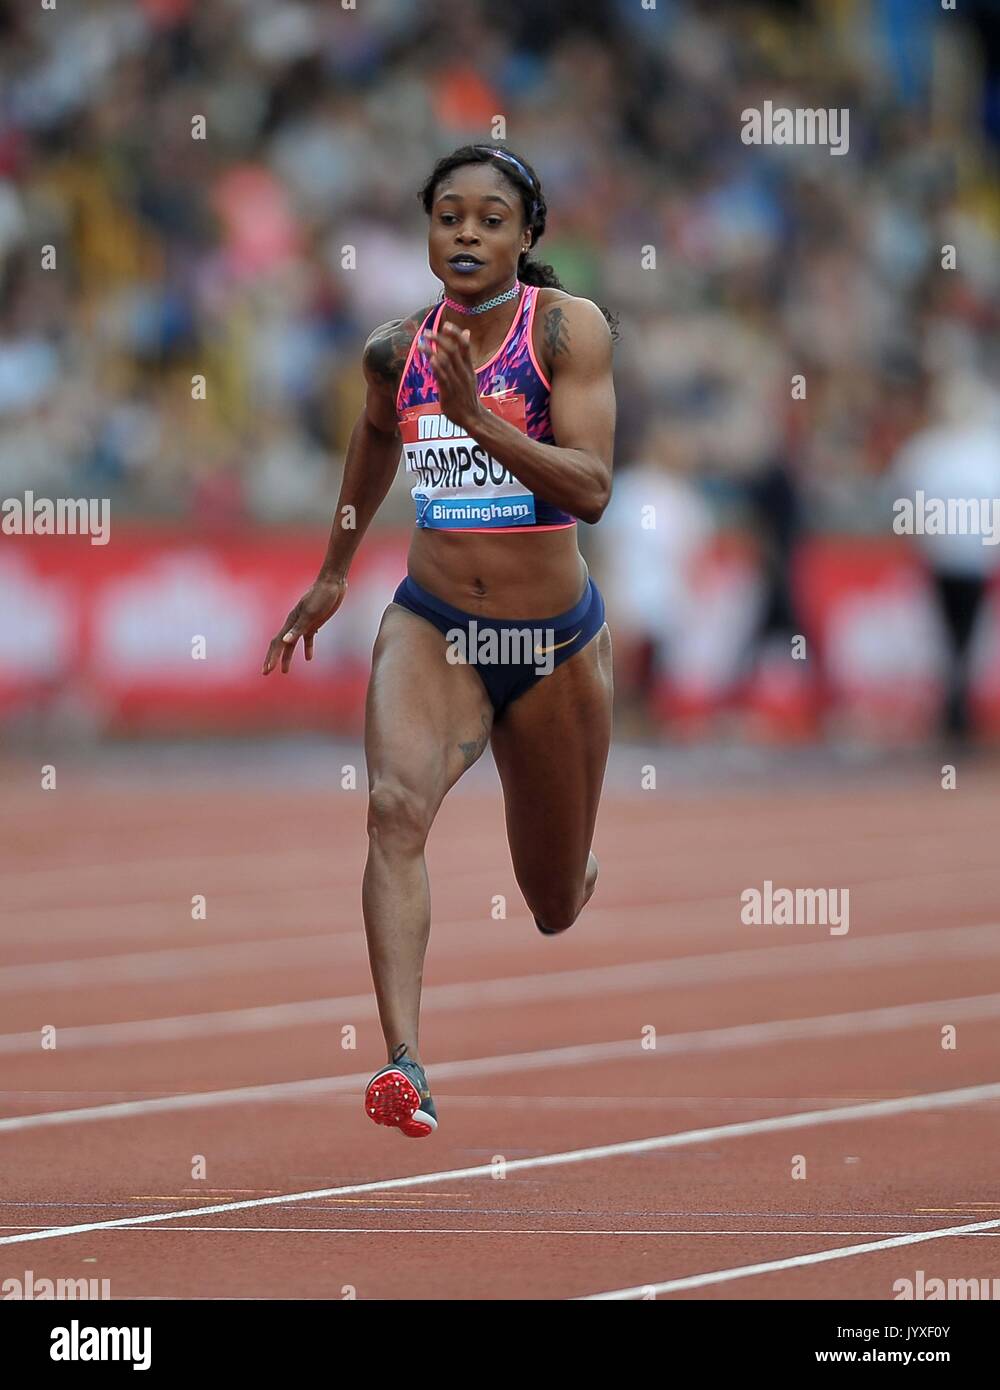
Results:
556 332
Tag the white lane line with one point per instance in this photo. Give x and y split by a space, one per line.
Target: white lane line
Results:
187 962
891 1019
506 1231
329 948
263 865
413 1203
328 902
74 921
724 1276
175 963
246 879
519 989
600 981
102 920
876 1109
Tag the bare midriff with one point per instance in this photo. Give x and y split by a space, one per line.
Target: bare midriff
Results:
515 574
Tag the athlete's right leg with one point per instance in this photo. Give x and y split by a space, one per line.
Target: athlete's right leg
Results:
427 721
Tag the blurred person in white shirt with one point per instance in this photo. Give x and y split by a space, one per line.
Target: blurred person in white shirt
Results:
656 526
955 459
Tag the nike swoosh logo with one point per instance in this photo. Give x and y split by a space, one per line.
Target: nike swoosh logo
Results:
544 651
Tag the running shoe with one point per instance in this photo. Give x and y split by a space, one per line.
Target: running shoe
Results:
400 1097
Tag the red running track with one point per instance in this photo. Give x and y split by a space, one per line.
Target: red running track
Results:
223 1046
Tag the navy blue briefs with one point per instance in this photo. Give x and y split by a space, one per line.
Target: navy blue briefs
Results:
510 654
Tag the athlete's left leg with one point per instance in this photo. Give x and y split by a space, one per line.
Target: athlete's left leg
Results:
551 748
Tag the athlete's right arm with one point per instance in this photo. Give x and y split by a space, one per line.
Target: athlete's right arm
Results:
369 468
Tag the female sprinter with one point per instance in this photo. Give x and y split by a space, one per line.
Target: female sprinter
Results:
501 396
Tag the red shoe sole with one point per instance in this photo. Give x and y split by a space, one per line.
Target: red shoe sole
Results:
416 1129
392 1099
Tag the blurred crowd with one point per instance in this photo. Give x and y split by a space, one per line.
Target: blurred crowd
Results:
135 255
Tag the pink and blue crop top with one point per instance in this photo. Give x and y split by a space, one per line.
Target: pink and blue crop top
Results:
457 485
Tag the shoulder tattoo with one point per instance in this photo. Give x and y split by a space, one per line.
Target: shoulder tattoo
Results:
556 331
386 355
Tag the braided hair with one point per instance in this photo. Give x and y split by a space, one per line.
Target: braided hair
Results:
526 183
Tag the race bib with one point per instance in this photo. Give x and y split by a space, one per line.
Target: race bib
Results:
457 483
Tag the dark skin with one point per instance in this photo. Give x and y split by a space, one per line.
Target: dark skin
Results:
428 720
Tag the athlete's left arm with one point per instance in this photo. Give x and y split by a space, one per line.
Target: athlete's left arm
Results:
575 472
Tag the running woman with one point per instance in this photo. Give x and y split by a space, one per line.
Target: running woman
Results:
501 398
